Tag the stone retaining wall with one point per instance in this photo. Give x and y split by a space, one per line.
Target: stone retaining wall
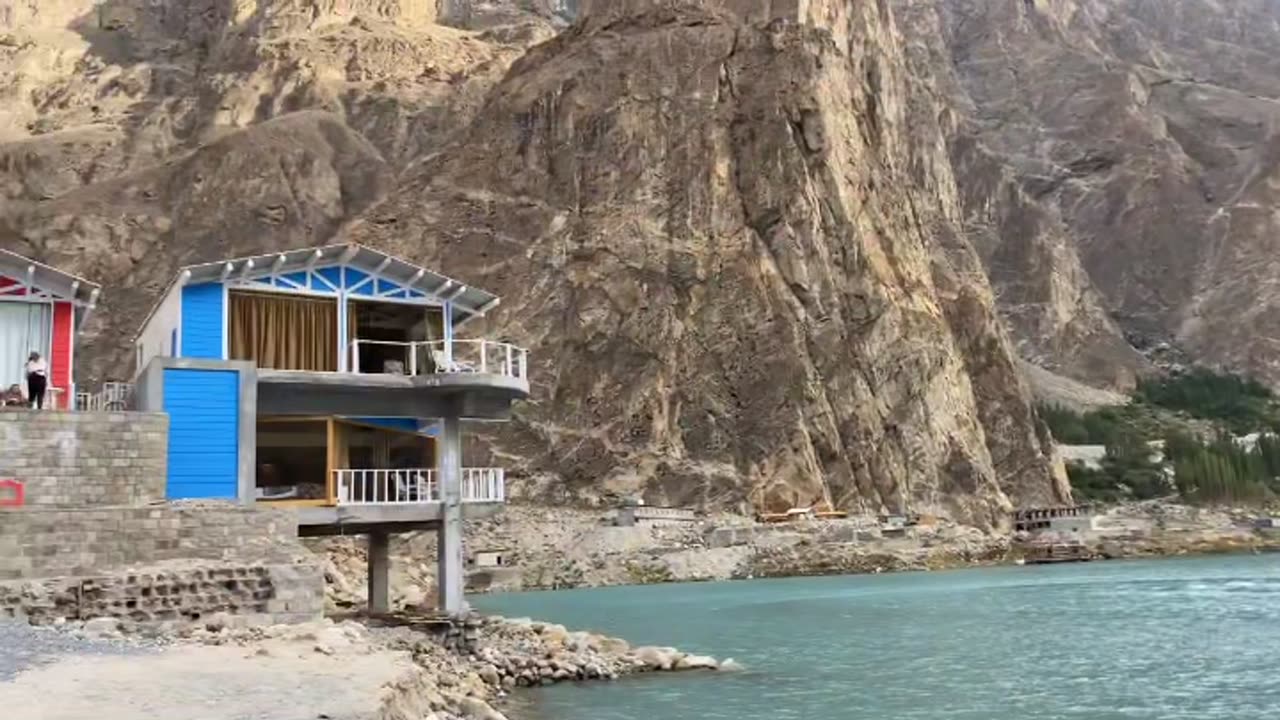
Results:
56 542
790 533
173 592
80 459
653 516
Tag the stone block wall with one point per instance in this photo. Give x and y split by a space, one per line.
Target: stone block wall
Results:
181 591
70 459
95 538
54 542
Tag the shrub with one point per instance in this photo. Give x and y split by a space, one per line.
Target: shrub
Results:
1069 427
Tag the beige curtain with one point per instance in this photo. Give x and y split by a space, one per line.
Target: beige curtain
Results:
285 333
353 322
435 324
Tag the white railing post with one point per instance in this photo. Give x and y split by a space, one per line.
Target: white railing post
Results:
355 356
413 360
510 368
484 365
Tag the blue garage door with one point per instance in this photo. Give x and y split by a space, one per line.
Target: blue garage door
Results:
204 432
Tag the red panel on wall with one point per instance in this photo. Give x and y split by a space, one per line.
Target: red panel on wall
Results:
63 337
11 492
6 282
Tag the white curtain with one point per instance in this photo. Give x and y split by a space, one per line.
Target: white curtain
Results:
24 327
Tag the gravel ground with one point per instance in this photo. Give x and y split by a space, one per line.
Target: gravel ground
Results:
23 647
47 674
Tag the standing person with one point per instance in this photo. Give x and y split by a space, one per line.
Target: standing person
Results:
37 380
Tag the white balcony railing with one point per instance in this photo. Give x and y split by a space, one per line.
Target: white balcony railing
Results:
430 357
484 485
415 486
386 487
112 397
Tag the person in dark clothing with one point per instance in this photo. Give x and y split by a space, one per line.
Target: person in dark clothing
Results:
37 380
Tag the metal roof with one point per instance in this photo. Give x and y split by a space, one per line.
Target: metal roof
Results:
52 280
467 301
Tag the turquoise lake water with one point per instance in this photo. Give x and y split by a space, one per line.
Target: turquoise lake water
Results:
1168 639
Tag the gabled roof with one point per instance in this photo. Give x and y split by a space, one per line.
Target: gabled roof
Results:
467 301
64 286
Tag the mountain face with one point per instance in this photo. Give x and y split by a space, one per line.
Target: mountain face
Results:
732 232
740 264
136 137
1143 133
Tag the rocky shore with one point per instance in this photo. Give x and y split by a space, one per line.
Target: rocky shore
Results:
560 548
390 669
346 669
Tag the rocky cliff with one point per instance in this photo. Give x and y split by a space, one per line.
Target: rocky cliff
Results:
136 137
740 263
730 231
1138 140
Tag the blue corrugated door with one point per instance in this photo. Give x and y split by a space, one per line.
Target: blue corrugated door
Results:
202 314
204 432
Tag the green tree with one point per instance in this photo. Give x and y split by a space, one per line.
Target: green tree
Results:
1243 404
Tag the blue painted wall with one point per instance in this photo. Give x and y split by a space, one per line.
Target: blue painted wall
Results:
396 423
204 433
202 314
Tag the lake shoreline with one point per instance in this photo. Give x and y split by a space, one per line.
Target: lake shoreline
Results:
725 547
563 548
922 645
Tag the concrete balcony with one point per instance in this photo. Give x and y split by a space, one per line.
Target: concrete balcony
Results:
445 357
403 499
471 379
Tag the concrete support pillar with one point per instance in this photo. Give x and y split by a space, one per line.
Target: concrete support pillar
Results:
450 572
379 571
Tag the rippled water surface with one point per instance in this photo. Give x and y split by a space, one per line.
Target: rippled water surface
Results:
1190 638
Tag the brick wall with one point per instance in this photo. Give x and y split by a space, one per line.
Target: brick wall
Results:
54 542
85 459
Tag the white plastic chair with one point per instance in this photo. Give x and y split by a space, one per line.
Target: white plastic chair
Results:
443 365
411 486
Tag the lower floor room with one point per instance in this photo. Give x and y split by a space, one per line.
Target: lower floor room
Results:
320 461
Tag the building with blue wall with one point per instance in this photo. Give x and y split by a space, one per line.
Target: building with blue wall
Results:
342 310
334 380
